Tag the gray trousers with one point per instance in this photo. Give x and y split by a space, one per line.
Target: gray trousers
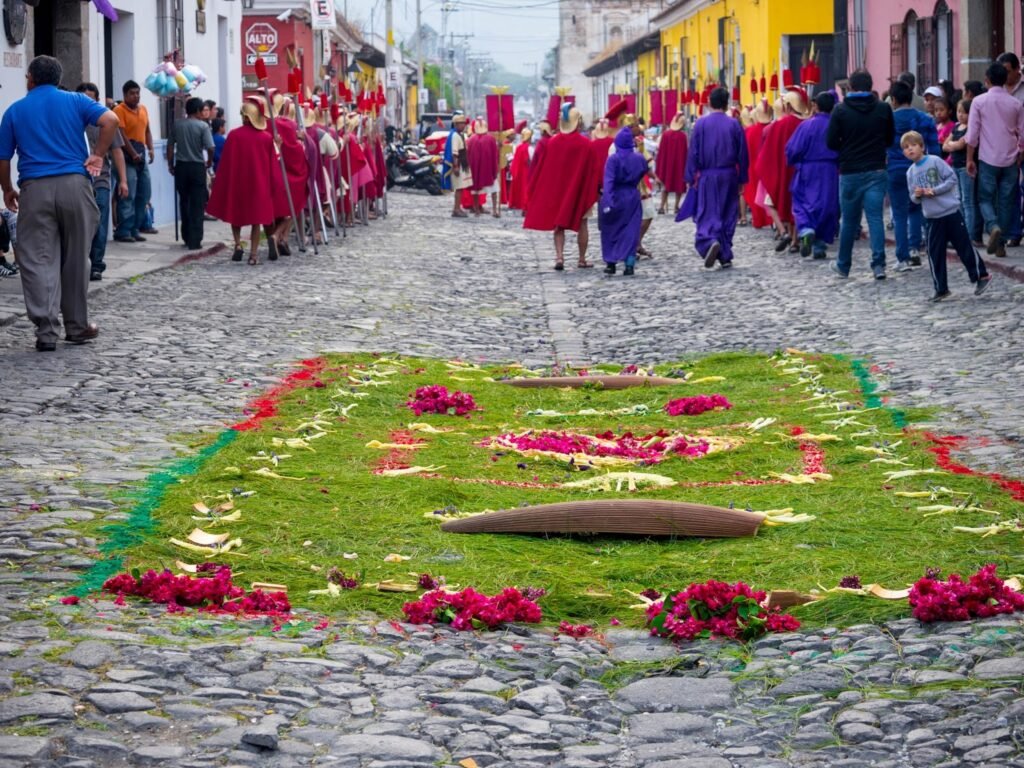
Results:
57 218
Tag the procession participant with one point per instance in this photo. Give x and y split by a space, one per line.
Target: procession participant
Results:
647 208
755 135
457 164
746 117
355 166
670 162
520 167
484 165
545 131
295 167
242 193
815 186
619 211
563 191
772 169
716 168
56 205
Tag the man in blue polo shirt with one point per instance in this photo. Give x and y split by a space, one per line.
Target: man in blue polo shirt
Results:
57 213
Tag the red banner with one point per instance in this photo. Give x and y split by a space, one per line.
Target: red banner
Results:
500 112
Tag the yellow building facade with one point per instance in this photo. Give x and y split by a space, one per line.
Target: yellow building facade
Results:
733 40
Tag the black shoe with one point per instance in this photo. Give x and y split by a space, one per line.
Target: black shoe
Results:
271 249
714 251
982 284
91 332
915 261
124 239
783 243
283 249
609 269
726 265
806 244
628 271
1013 242
995 238
937 297
150 231
46 346
139 239
95 277
237 254
819 255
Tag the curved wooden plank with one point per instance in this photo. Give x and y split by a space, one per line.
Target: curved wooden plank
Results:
647 517
607 382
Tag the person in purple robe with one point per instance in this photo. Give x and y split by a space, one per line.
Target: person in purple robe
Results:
620 211
716 170
815 186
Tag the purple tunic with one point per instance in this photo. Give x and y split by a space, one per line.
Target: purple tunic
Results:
715 167
815 186
619 211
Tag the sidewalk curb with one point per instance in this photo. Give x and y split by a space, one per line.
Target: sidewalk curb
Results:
993 263
202 253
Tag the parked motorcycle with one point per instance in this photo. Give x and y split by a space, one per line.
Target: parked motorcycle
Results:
406 170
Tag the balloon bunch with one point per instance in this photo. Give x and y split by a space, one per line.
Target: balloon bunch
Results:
167 80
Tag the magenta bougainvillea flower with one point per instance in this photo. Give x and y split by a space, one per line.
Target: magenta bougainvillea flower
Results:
647 449
575 630
716 609
437 399
983 595
216 594
694 406
469 609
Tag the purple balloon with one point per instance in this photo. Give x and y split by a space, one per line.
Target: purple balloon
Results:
104 7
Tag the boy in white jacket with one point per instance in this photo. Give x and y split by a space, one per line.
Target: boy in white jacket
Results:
934 185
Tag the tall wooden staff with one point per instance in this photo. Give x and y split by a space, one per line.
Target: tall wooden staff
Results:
314 194
261 76
326 112
348 162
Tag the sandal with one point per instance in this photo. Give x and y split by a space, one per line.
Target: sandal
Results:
236 255
283 249
559 266
584 265
271 249
661 210
794 248
253 259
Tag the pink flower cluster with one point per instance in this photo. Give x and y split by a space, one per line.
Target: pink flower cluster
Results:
648 449
216 594
575 630
437 399
470 609
716 609
984 594
694 406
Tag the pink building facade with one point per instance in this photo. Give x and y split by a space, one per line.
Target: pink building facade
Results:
935 39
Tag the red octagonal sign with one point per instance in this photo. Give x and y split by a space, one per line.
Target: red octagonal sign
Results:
261 39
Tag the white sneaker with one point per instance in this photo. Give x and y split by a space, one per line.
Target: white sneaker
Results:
904 266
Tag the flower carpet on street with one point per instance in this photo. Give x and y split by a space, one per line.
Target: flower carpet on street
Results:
329 494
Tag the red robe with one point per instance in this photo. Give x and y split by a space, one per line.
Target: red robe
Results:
242 191
371 161
563 189
670 163
295 167
315 161
380 169
467 198
538 155
520 167
772 169
600 148
484 159
755 135
352 161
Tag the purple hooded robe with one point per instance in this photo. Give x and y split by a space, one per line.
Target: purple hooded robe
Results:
619 212
815 186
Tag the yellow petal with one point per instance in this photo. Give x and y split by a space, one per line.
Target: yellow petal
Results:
396 558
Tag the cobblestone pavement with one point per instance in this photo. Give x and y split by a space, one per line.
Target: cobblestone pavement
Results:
95 685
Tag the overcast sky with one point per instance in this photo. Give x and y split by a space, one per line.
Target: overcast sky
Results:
515 33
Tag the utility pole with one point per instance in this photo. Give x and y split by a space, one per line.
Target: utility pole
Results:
451 48
420 87
389 59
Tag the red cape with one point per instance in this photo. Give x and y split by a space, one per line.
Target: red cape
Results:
599 147
670 163
371 161
242 189
563 188
755 135
315 161
352 162
538 155
484 158
520 167
775 175
295 167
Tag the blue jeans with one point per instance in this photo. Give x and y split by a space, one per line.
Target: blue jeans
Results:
1017 225
907 218
968 203
99 240
862 193
995 195
131 210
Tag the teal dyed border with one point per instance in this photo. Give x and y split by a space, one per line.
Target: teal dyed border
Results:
130 532
862 371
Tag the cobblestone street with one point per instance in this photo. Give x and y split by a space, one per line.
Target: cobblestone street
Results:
182 349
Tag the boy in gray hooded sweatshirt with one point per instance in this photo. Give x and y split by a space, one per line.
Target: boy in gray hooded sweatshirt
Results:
934 185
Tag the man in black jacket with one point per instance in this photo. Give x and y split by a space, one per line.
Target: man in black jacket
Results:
860 130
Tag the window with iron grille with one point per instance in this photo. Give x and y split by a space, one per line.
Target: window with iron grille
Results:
897 51
927 63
